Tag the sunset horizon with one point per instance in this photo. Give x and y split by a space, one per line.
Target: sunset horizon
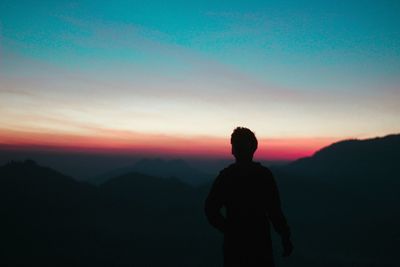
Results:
153 146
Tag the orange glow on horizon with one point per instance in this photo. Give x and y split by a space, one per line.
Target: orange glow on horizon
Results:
120 142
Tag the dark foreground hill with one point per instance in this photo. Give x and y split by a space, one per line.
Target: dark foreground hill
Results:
353 158
344 201
46 217
133 219
342 205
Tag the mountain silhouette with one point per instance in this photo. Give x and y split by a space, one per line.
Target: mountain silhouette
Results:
377 156
27 183
157 194
177 168
342 204
350 191
44 215
52 219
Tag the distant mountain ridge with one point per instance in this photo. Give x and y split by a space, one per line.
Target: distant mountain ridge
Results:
176 168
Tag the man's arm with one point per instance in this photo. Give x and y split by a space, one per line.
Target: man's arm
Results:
275 211
277 218
213 205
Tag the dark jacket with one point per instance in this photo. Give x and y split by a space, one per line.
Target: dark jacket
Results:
249 194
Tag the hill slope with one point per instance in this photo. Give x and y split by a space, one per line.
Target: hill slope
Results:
179 169
370 157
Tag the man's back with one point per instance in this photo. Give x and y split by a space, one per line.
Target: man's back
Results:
249 194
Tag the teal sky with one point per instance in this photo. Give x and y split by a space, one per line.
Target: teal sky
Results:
287 69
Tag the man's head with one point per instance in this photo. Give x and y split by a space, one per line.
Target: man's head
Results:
244 144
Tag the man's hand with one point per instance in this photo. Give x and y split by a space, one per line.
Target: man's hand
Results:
287 247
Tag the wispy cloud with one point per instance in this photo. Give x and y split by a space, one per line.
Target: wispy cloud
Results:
204 79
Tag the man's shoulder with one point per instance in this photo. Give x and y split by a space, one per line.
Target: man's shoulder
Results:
255 166
228 169
264 169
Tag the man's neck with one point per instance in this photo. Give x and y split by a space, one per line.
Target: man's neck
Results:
244 161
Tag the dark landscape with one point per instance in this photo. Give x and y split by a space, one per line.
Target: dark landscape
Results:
342 204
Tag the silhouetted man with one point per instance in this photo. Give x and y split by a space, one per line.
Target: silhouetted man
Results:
248 192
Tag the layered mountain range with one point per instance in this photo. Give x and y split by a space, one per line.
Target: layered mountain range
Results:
342 204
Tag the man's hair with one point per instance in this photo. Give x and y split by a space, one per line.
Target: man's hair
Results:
244 140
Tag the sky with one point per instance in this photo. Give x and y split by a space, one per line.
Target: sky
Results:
176 77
